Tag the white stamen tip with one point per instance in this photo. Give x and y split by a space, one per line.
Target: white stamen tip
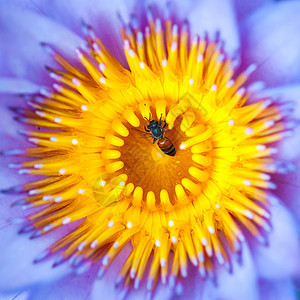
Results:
33 192
40 113
57 120
265 176
269 123
157 243
129 225
53 139
48 227
116 244
241 91
131 53
209 251
267 103
218 206
250 69
105 260
230 83
261 147
249 130
84 107
157 25
182 146
122 183
55 76
171 223
163 262
58 199
204 241
139 38
164 62
24 171
47 197
211 229
175 30
199 58
45 93
62 171
81 191
249 214
81 246
230 122
174 46
191 81
126 44
66 220
38 166
142 65
74 141
247 182
174 239
213 87
102 67
111 223
76 81
272 185
94 244
102 80
102 183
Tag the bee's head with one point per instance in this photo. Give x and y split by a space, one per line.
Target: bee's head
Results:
152 124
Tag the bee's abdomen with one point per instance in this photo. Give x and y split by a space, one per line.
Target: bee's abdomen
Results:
166 146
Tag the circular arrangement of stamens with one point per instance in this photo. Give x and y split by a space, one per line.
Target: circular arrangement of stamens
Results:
100 165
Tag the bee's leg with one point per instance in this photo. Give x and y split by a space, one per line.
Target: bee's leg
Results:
165 124
160 120
154 140
146 129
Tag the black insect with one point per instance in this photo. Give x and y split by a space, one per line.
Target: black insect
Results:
157 132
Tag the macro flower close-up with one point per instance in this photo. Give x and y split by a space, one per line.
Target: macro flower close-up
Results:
149 150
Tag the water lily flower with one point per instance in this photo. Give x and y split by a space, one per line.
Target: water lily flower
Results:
149 149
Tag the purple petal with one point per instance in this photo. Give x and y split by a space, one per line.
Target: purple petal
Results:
281 258
14 86
100 14
212 16
22 56
241 284
22 295
270 39
17 255
277 289
244 7
73 287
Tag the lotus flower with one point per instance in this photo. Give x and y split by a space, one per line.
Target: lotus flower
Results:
156 154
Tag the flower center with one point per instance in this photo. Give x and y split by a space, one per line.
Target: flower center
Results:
150 168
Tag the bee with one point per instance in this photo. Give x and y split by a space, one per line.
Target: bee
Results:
157 131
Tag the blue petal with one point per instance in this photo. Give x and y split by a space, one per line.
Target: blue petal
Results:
69 287
212 16
281 258
241 284
278 289
17 255
270 39
20 53
244 8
